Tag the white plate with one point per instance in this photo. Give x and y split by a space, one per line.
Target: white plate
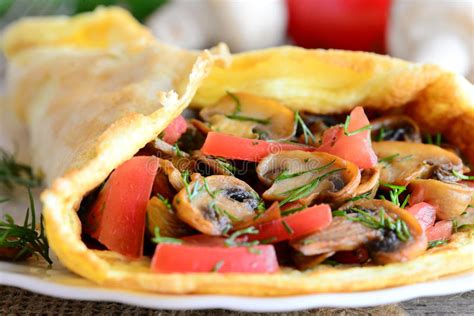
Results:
57 281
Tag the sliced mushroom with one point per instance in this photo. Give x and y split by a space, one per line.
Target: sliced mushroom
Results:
303 262
395 128
165 150
466 218
304 176
349 233
215 204
449 199
369 182
208 166
160 214
404 162
250 116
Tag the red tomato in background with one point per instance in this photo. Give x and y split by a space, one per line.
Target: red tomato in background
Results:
425 214
117 218
173 132
296 225
442 230
172 258
343 24
356 148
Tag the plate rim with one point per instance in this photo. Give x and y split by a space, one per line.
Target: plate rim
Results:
445 286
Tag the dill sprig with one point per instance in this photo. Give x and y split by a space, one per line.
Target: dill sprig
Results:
306 189
25 237
437 139
14 173
218 266
192 193
224 213
165 240
165 201
357 131
285 175
461 176
395 192
306 131
389 159
380 222
359 197
226 165
436 243
238 108
232 240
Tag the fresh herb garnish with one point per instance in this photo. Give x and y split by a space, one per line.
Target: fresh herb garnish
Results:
222 212
357 131
232 240
238 108
177 151
359 197
306 189
254 250
165 201
14 173
465 226
25 238
437 141
461 176
164 240
339 213
293 210
306 131
287 227
226 165
285 175
381 222
218 266
248 118
395 192
212 194
436 243
389 159
381 135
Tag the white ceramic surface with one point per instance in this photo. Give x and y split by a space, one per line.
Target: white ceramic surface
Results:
57 281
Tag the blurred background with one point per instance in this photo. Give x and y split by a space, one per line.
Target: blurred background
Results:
435 31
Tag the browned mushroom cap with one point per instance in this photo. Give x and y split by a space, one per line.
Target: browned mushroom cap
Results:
449 199
303 262
161 215
349 232
214 204
250 116
395 128
369 181
404 162
298 175
207 166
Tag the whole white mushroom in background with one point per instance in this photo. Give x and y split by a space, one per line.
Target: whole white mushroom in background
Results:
242 24
439 32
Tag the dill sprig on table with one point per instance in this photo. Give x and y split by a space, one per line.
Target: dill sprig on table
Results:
25 238
14 173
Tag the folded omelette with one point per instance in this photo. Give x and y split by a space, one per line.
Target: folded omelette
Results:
96 89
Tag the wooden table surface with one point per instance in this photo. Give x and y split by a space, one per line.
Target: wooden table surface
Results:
15 301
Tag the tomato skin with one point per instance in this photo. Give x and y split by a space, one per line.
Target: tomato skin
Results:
121 206
233 147
172 258
356 148
442 230
173 132
301 223
343 24
425 213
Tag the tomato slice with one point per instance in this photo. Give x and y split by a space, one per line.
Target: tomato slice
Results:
294 226
425 214
173 258
356 148
173 132
117 218
233 147
442 230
